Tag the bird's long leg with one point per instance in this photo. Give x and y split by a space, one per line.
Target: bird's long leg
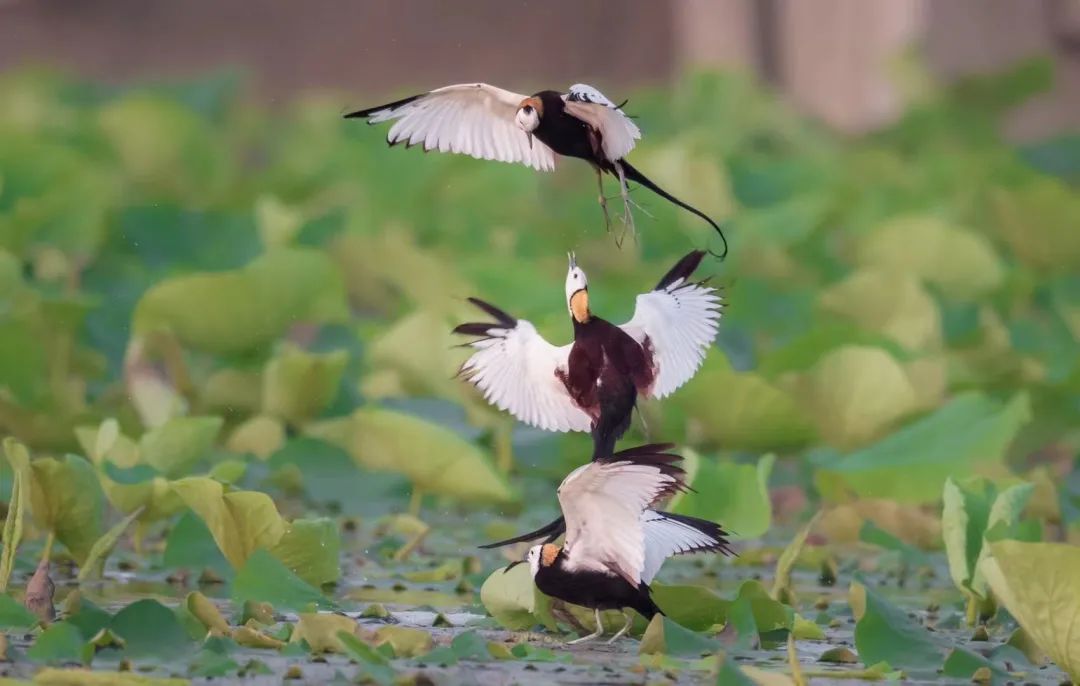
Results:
628 217
626 627
596 634
603 199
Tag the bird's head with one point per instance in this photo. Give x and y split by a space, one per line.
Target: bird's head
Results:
577 292
528 116
542 556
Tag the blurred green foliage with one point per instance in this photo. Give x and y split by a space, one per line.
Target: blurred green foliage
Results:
191 285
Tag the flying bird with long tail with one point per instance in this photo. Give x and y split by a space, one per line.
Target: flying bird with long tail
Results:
490 123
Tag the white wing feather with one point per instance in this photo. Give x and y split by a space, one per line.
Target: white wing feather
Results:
472 119
680 322
666 537
602 503
619 133
515 370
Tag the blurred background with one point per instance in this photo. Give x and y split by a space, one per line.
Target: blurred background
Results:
188 228
833 59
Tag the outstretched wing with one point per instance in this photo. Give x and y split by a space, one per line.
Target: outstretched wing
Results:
471 118
669 534
515 368
677 321
602 503
618 132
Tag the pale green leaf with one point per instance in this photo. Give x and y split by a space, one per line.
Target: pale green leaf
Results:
175 447
67 499
19 459
240 521
1039 583
432 457
298 385
856 394
912 464
959 261
734 494
234 311
99 552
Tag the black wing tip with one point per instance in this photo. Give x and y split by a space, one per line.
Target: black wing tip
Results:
365 113
683 269
720 536
473 329
504 319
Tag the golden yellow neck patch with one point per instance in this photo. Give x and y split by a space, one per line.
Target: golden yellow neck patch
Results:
548 553
579 306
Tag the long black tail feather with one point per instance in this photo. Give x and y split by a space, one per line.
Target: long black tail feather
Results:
634 175
548 532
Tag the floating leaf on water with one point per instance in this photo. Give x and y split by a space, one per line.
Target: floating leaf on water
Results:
264 578
150 630
14 615
1038 584
373 663
60 643
204 610
253 638
884 633
664 636
839 655
406 641
321 630
86 677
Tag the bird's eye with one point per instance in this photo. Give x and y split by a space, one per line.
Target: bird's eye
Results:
527 109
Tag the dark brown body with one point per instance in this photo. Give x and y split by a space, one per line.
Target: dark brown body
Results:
606 371
567 135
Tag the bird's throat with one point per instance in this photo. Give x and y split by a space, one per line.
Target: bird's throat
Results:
579 306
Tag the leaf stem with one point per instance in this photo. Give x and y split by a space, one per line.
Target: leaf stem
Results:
504 447
46 554
416 501
412 544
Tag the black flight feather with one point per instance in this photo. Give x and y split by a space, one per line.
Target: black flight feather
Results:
363 114
683 269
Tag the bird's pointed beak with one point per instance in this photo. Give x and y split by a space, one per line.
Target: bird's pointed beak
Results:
530 137
573 259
